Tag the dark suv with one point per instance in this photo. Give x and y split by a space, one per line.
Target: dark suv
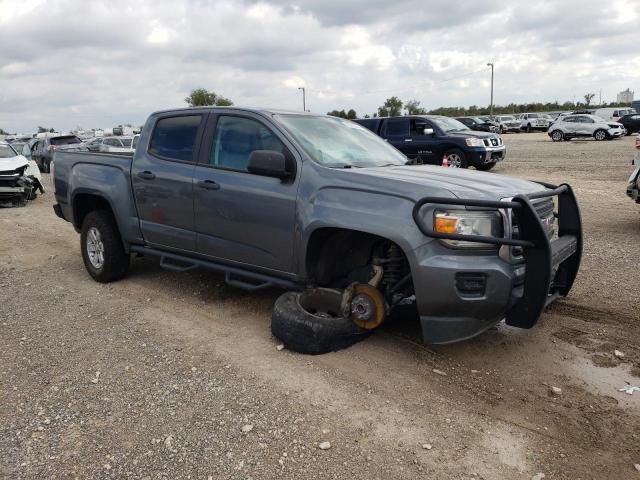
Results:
42 150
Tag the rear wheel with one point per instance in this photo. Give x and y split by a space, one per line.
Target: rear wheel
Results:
102 251
600 135
456 158
557 136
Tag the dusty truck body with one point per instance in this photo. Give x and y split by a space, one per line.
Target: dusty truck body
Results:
295 200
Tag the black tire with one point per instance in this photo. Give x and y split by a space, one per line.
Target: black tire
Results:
45 165
557 136
600 135
455 152
304 332
115 264
485 167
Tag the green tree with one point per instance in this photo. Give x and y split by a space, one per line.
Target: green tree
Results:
337 113
392 107
588 97
351 114
42 129
201 97
413 107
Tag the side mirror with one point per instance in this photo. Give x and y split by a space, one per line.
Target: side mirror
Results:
270 163
427 131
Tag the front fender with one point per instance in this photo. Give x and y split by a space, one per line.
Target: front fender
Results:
376 213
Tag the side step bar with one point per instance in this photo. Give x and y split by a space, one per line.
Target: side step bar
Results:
234 276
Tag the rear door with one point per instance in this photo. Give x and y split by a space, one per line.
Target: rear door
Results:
162 178
397 132
240 216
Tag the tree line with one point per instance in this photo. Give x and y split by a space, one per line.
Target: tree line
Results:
395 107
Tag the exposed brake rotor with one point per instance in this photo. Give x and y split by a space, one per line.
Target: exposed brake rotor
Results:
367 306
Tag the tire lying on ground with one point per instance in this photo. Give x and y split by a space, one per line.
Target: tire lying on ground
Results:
311 322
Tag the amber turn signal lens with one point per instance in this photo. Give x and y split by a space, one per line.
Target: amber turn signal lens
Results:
446 224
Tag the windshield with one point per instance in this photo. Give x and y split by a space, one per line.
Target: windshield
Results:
126 142
338 143
448 124
533 115
506 119
64 140
7 152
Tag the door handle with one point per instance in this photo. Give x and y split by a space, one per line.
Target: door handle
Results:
209 185
408 140
146 175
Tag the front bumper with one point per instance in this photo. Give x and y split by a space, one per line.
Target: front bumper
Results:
616 132
460 294
16 187
484 155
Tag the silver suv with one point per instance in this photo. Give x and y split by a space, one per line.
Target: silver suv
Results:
573 126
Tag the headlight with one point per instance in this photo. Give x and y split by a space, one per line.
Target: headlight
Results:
468 222
474 142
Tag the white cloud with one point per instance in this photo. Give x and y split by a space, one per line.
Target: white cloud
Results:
100 63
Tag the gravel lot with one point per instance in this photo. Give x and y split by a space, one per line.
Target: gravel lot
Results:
175 375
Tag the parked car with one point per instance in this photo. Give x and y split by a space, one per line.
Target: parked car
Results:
534 121
508 123
613 114
633 184
575 126
42 150
320 204
631 123
20 178
427 139
116 145
476 123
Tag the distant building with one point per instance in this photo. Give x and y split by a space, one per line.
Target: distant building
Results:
626 96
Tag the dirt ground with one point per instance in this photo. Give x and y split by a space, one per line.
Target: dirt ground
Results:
175 375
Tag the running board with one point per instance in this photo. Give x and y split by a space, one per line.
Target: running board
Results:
234 276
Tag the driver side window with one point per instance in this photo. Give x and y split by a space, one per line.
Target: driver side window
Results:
236 137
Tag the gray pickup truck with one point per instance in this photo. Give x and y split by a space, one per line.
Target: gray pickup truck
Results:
306 202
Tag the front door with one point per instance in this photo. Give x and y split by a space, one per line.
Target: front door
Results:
240 216
426 146
162 178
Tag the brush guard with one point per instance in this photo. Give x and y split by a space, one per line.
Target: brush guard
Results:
551 265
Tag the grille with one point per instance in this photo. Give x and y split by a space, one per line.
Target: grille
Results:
545 209
494 142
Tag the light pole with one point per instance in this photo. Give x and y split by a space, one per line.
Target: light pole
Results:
304 99
491 107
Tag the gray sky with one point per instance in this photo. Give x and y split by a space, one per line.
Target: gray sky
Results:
68 63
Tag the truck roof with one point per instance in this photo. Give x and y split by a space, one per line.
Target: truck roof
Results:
267 111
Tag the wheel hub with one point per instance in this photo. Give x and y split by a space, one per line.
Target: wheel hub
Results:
95 248
367 307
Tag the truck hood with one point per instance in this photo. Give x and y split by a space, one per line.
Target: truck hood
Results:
431 180
12 163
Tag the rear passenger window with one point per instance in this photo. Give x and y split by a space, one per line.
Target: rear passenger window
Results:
174 137
236 138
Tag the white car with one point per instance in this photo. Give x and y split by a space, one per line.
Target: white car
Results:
574 126
534 121
613 114
20 177
507 123
116 145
